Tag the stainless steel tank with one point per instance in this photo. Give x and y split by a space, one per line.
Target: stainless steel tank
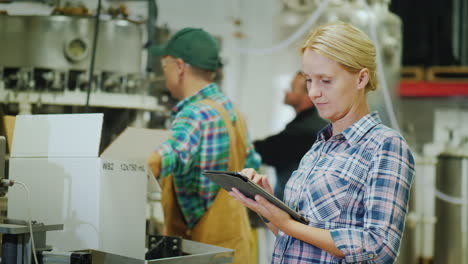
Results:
451 231
53 53
409 243
65 43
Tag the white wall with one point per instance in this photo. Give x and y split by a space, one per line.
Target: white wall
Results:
256 83
249 79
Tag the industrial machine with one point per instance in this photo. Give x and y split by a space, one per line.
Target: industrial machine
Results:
19 245
193 252
17 241
16 248
49 64
451 229
451 186
46 60
438 218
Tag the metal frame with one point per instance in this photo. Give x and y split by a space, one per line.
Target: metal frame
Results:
197 253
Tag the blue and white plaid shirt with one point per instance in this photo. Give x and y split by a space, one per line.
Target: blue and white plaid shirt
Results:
355 184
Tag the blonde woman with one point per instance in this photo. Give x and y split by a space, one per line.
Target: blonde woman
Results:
353 185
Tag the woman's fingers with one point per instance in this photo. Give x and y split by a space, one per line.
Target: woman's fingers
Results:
271 211
252 175
249 173
266 185
242 198
249 203
258 178
254 205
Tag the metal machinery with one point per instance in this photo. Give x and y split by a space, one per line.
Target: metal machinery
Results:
451 186
16 242
194 252
45 60
53 53
16 246
439 200
45 54
451 231
17 249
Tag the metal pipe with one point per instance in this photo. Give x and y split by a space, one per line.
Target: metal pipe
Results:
49 2
151 24
93 56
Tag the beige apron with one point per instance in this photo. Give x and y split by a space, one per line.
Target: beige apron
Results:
225 223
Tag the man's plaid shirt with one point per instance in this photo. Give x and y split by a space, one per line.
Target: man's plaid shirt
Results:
199 142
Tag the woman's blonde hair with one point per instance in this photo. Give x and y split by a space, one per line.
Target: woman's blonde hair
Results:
347 45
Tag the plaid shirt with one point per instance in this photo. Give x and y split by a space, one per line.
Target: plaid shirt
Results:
199 141
355 184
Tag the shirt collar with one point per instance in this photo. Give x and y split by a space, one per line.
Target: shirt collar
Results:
356 131
204 93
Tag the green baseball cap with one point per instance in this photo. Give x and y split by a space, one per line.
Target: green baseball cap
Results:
194 45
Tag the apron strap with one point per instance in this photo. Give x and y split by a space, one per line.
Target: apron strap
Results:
237 135
225 223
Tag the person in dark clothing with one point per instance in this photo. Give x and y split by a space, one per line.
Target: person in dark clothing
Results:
284 150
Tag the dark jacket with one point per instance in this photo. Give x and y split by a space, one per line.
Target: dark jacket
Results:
284 151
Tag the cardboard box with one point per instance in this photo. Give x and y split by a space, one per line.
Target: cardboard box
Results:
8 126
101 200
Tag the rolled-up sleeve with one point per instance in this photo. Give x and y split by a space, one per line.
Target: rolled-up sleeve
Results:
253 159
177 152
386 201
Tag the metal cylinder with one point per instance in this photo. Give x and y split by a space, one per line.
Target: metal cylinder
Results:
451 237
408 247
65 43
9 248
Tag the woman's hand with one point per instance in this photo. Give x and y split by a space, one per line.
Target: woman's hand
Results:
259 179
262 206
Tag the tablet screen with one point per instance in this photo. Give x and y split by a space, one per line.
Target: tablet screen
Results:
228 180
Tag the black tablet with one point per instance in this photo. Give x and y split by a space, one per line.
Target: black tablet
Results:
227 180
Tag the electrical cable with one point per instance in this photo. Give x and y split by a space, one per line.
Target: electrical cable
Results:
295 36
450 199
463 201
29 220
93 56
380 71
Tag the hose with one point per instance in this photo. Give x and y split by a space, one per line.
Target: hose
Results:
295 36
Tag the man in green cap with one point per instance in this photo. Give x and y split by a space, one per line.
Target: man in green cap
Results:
207 134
